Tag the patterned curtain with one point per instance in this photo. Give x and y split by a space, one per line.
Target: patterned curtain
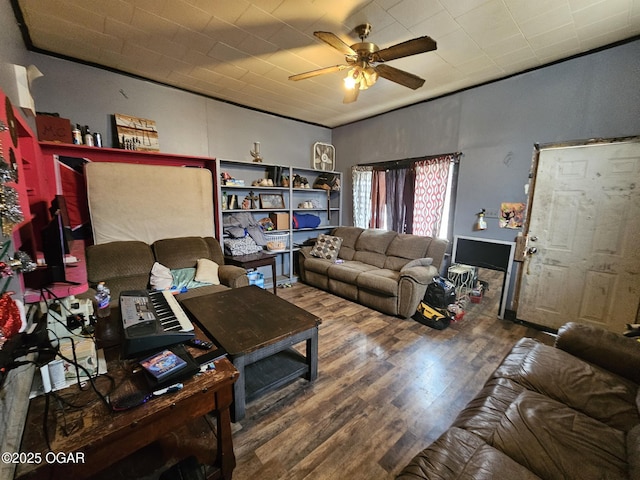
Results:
378 199
361 181
432 176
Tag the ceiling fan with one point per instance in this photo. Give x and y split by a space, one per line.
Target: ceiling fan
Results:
366 61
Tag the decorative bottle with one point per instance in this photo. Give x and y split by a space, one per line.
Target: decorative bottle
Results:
77 135
88 137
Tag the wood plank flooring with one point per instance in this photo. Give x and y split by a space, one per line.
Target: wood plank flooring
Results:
386 388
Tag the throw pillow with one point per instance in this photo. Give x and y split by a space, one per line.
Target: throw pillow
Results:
327 247
207 271
418 262
161 277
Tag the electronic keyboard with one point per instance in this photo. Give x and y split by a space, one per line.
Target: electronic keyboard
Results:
151 321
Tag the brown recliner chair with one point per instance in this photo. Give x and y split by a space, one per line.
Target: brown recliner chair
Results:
569 412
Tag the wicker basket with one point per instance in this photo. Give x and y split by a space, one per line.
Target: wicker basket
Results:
277 241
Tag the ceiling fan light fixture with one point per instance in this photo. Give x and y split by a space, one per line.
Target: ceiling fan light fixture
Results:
353 78
369 78
366 62
349 83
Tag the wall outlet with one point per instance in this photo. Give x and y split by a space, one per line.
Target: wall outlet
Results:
492 213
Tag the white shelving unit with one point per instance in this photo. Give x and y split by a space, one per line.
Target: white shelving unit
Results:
327 206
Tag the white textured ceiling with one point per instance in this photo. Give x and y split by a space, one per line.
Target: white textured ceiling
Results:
243 52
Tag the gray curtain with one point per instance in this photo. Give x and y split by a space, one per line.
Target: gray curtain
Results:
400 184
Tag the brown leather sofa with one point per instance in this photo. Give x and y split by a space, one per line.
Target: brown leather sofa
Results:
374 270
126 265
569 412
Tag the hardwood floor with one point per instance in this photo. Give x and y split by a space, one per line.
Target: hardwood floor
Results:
386 388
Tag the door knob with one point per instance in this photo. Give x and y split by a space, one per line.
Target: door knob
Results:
533 239
532 250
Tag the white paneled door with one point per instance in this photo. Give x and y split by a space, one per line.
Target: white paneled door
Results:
583 237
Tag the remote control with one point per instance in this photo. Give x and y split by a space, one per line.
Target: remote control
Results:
129 400
197 343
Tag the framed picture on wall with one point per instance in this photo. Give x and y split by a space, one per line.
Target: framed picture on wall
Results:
271 200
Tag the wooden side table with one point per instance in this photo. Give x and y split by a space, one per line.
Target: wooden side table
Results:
99 437
255 260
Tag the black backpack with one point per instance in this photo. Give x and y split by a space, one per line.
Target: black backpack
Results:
432 310
440 293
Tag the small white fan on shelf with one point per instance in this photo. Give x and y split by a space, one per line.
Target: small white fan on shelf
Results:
324 156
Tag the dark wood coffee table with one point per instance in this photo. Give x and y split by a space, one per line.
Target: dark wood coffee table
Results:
258 330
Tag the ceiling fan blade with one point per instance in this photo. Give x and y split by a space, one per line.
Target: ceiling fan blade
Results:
351 95
320 71
405 49
335 42
399 76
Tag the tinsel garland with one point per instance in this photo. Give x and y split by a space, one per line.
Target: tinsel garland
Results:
10 211
21 263
10 216
10 321
7 174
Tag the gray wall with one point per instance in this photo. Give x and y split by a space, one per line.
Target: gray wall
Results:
187 124
496 126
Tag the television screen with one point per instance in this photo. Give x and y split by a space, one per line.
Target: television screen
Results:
59 206
54 247
56 241
486 253
480 252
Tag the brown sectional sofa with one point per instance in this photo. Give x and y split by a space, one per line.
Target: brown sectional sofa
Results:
569 412
372 270
126 265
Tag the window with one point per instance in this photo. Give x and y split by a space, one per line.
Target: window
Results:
411 196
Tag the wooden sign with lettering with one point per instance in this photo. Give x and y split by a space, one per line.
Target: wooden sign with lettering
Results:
53 129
